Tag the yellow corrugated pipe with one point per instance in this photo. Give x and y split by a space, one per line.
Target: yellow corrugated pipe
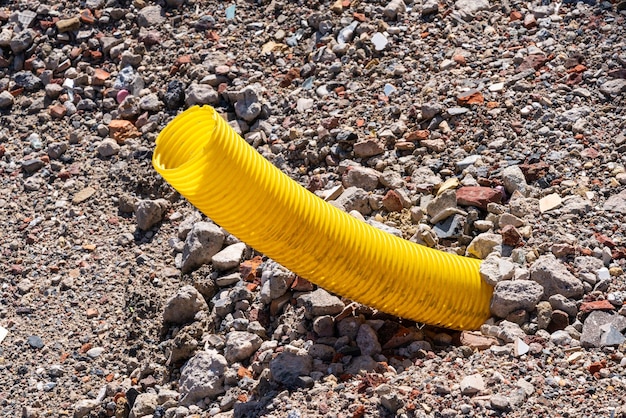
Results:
203 158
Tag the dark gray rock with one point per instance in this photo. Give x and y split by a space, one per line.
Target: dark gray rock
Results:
29 81
320 302
451 227
367 341
288 366
150 212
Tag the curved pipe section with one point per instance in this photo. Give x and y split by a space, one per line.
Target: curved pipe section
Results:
203 158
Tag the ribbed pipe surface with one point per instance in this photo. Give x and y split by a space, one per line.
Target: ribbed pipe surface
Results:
201 156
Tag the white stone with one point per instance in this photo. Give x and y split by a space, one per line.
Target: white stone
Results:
229 257
603 274
304 104
520 347
549 202
472 384
495 87
380 41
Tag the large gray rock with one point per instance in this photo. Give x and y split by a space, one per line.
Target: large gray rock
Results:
513 179
468 8
56 149
362 365
248 105
510 296
201 94
150 16
361 177
614 87
354 198
84 407
554 277
320 302
561 303
367 341
183 306
150 212
495 269
240 345
288 366
394 8
601 329
202 376
145 404
203 241
6 99
616 203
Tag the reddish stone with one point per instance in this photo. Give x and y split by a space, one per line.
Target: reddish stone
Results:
418 135
95 55
530 21
602 239
477 341
534 171
477 196
533 61
392 201
589 153
121 130
330 123
596 305
28 64
87 17
85 347
470 97
291 75
359 16
596 366
559 321
515 15
99 77
301 285
511 236
249 268
185 59
459 59
92 313
58 111
17 269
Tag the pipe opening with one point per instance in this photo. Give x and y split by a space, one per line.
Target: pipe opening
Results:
182 145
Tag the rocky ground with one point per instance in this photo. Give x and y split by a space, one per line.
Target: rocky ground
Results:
492 129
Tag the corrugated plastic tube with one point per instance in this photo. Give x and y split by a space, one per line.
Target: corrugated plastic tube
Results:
203 158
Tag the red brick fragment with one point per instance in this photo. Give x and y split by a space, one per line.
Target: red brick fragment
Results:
477 196
596 305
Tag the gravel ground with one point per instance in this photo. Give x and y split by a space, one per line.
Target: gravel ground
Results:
489 129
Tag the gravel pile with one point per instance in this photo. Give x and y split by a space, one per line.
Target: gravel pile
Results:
494 130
